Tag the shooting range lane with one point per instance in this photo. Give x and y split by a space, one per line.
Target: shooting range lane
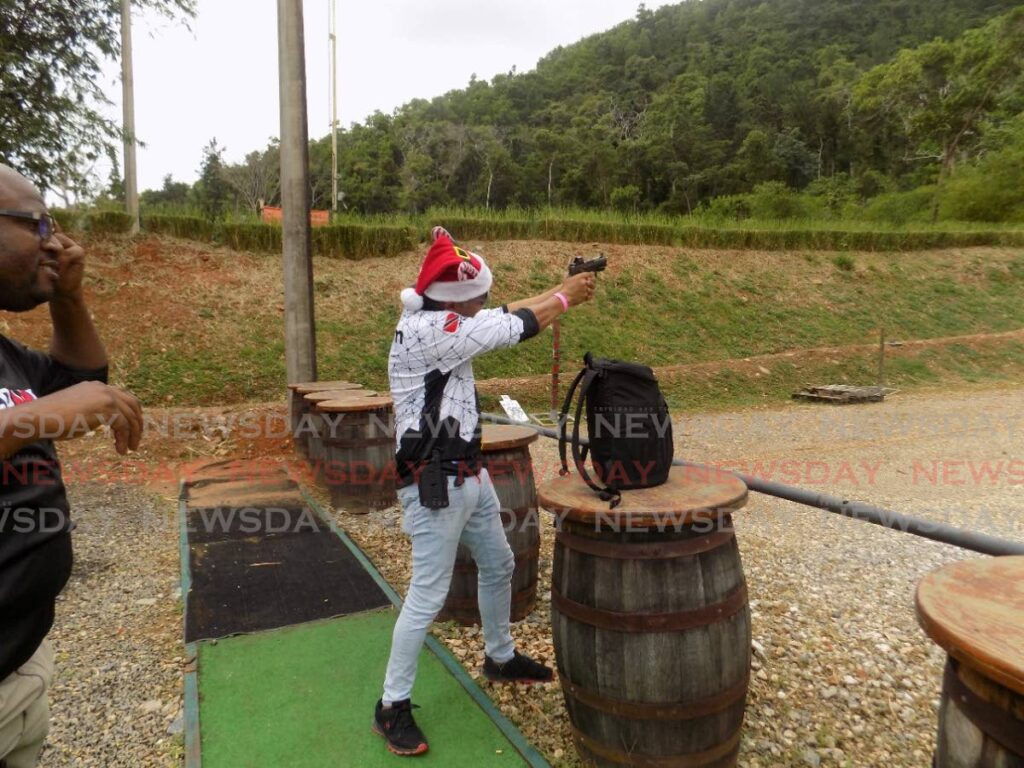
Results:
260 558
302 697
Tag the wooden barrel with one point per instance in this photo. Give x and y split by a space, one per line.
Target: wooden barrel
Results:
298 409
650 620
358 465
506 456
975 611
315 426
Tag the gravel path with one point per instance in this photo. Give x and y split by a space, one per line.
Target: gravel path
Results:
118 693
843 676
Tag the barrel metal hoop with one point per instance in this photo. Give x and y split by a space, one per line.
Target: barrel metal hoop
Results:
994 722
469 566
647 710
619 621
645 550
640 760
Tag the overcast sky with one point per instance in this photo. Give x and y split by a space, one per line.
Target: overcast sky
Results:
219 79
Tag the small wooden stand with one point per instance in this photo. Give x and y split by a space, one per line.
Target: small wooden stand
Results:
975 611
298 408
358 465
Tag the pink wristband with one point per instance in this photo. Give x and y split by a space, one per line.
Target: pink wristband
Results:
562 298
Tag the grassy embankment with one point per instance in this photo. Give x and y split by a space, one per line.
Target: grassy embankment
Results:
196 325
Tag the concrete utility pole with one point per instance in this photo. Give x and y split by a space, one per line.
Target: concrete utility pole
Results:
299 329
334 105
131 187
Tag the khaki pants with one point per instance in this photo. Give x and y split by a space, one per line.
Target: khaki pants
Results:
24 714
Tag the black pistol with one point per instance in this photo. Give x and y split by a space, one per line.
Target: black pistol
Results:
579 264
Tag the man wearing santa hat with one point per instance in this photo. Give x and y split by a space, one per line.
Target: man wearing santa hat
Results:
446 495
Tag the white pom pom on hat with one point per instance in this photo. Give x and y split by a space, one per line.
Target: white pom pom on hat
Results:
411 300
448 273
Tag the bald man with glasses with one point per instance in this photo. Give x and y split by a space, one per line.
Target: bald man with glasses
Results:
44 397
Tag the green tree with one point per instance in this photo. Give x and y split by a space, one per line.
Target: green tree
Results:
369 163
991 189
51 54
257 178
211 190
115 186
626 199
489 146
756 161
174 194
940 93
685 103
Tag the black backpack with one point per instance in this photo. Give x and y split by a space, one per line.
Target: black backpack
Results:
628 426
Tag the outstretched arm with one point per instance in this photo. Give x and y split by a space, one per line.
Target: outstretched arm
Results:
527 303
546 307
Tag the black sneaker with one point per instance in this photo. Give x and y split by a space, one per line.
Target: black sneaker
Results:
518 669
397 726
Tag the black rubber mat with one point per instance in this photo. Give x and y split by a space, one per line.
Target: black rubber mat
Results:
206 524
246 578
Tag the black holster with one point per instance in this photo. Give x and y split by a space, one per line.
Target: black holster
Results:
433 483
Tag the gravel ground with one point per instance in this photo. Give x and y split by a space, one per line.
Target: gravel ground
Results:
117 697
843 676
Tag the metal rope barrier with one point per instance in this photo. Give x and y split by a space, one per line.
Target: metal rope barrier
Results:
856 510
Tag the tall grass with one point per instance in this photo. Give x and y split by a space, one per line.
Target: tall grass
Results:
107 222
355 237
707 232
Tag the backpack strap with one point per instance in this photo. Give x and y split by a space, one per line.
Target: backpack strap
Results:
562 420
606 493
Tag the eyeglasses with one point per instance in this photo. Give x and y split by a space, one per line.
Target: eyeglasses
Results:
47 225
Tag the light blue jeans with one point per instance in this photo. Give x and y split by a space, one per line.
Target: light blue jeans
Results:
472 517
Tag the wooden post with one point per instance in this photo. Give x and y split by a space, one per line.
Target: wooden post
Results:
131 187
334 106
300 331
881 356
556 365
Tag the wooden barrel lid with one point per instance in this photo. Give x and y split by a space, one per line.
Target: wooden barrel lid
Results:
503 437
336 394
353 404
689 495
974 609
322 386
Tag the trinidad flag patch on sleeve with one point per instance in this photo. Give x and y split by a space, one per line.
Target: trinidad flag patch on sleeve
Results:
451 323
12 397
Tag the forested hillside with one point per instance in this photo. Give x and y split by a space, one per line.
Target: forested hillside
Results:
704 100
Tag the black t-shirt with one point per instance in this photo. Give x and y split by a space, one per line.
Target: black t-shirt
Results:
35 525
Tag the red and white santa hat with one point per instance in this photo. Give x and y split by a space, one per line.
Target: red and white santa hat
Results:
448 273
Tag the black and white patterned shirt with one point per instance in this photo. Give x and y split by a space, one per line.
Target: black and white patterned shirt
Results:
431 373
